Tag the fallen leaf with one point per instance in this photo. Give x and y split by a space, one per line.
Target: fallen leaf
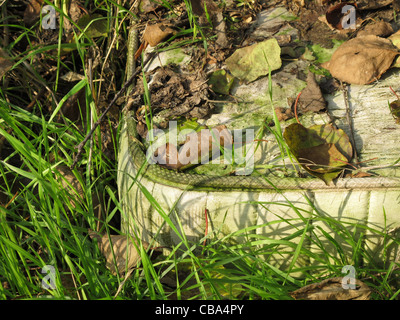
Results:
380 28
148 6
362 60
125 251
332 289
220 29
5 62
156 33
220 81
94 25
174 94
321 150
372 4
360 174
252 62
284 113
70 182
395 110
32 12
311 98
395 39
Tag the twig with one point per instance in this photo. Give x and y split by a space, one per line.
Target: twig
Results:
206 230
295 107
119 94
394 93
349 121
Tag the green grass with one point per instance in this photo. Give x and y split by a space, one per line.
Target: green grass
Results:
45 214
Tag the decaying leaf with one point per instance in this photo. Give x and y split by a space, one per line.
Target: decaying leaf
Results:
122 248
362 60
257 60
395 110
173 94
321 150
332 289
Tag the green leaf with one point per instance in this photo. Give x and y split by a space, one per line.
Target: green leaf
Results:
94 25
321 150
221 81
250 63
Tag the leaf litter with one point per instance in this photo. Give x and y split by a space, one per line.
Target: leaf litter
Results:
333 289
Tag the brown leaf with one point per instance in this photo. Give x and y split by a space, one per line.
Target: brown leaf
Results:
380 28
332 289
69 181
216 16
125 252
372 4
362 60
5 62
284 113
176 94
311 98
149 6
32 11
156 33
395 110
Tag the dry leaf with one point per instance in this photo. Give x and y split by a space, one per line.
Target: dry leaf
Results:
380 29
311 98
69 181
362 60
284 114
32 12
125 252
332 289
372 4
148 6
156 33
175 94
5 62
